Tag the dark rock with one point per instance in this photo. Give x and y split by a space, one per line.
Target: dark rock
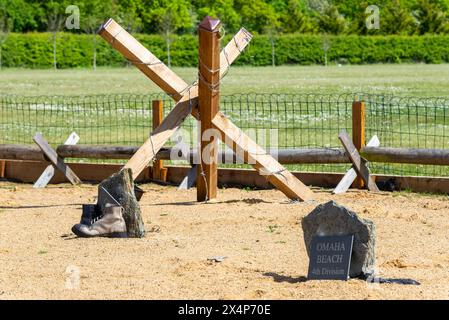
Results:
331 219
120 188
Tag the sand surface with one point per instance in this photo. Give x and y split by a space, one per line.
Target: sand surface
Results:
259 233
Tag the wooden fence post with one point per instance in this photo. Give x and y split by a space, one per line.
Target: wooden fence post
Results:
159 171
209 100
358 132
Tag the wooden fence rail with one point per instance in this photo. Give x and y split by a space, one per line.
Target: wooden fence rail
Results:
438 157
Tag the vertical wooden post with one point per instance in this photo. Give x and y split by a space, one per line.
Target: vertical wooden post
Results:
358 132
209 100
2 168
159 172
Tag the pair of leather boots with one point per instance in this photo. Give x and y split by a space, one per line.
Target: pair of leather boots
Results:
109 223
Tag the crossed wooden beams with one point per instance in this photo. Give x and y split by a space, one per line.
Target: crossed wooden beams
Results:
56 161
359 167
187 100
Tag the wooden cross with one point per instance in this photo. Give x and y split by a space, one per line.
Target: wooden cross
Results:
351 175
49 172
358 163
56 160
187 100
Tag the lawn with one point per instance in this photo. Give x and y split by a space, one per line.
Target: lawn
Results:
299 119
410 80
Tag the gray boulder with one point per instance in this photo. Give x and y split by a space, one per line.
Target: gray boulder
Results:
120 187
331 219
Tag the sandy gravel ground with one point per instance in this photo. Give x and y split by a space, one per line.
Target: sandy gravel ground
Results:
258 231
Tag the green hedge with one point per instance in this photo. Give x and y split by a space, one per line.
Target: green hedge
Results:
35 50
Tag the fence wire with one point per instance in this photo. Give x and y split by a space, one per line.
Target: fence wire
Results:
273 120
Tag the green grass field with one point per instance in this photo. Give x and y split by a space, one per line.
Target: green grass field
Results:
300 121
410 80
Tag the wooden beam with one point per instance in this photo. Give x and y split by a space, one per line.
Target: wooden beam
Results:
21 152
190 179
159 172
266 165
96 151
359 165
57 161
156 70
209 104
49 172
187 98
351 175
358 131
438 157
143 59
29 171
160 136
285 156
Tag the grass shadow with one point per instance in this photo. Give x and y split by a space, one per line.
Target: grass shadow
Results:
247 201
184 203
191 203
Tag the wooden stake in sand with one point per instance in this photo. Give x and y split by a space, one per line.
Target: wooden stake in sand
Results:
351 175
359 164
56 160
49 172
209 104
187 100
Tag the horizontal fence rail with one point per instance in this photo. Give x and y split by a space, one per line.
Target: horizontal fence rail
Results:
304 125
284 156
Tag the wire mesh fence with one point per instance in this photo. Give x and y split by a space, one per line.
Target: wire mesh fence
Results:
273 120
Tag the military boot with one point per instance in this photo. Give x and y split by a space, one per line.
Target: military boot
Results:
111 224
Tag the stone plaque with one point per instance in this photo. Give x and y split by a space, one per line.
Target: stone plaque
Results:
330 257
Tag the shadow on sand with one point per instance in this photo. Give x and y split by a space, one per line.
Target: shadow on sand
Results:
281 278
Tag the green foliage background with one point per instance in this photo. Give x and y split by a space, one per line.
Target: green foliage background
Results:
299 31
259 16
34 50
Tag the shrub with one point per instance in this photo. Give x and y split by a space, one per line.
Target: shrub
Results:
35 50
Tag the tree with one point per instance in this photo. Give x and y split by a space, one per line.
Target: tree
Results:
23 15
256 15
397 18
94 13
169 17
221 9
54 19
330 20
295 16
129 12
431 16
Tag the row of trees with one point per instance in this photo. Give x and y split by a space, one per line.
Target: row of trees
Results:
272 17
259 16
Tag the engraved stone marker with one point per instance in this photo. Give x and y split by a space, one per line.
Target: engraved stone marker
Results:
330 257
331 219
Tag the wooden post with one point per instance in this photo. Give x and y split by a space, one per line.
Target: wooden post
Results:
159 172
2 168
358 132
209 100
